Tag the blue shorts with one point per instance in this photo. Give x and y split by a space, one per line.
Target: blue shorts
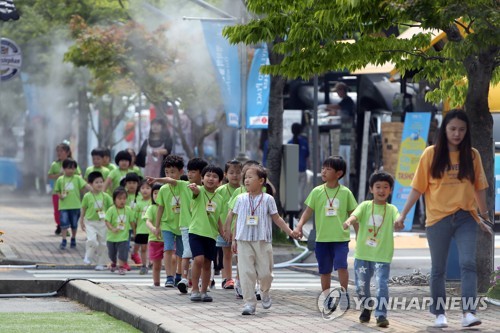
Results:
202 246
221 242
331 255
172 242
69 218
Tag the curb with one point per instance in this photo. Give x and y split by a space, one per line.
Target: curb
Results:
100 299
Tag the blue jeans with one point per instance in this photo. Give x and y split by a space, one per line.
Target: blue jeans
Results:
463 228
363 272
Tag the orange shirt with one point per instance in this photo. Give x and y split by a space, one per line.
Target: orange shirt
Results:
445 196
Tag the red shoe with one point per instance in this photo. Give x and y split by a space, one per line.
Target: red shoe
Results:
229 284
136 258
112 267
127 267
190 284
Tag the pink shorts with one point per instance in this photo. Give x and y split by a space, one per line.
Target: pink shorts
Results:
155 250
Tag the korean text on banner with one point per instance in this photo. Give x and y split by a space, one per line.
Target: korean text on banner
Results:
258 88
413 143
227 69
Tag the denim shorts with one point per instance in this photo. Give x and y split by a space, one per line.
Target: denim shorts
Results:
69 218
331 255
172 242
221 242
202 246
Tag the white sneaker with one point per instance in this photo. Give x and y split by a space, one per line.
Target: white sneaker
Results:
470 320
266 300
441 321
86 261
100 268
248 310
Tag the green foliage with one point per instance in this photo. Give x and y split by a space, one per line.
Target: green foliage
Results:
311 35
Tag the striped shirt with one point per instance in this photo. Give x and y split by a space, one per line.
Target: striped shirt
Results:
263 206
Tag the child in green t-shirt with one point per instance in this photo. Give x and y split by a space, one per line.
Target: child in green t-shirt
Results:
205 225
123 159
120 219
155 241
233 175
106 161
97 163
374 246
94 207
63 151
143 201
332 204
68 187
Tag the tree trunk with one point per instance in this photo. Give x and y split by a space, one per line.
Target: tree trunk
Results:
479 74
275 127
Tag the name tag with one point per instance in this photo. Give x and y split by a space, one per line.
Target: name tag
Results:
121 226
252 220
371 242
132 205
210 207
64 194
330 211
101 214
177 209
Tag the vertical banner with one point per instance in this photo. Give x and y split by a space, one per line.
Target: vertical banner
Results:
413 143
258 88
227 69
497 183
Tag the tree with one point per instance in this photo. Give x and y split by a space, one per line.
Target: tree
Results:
312 34
124 58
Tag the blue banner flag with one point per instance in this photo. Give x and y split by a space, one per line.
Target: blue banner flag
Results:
258 88
413 143
227 70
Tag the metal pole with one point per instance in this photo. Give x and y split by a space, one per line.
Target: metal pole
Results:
242 156
315 133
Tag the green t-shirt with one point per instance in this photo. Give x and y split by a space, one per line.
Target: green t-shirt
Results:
70 187
331 207
176 206
133 199
375 241
140 215
203 222
137 170
111 167
226 191
56 169
116 176
104 171
121 218
95 203
151 216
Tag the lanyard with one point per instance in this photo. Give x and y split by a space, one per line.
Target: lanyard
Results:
230 194
375 230
121 220
209 199
175 198
97 202
332 200
65 185
252 208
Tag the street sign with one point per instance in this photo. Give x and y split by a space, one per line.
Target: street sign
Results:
10 59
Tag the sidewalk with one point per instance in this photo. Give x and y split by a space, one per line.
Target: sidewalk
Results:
29 236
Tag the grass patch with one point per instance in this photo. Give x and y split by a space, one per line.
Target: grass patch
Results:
59 322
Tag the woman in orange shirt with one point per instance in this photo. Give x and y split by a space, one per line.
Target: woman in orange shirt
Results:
451 176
